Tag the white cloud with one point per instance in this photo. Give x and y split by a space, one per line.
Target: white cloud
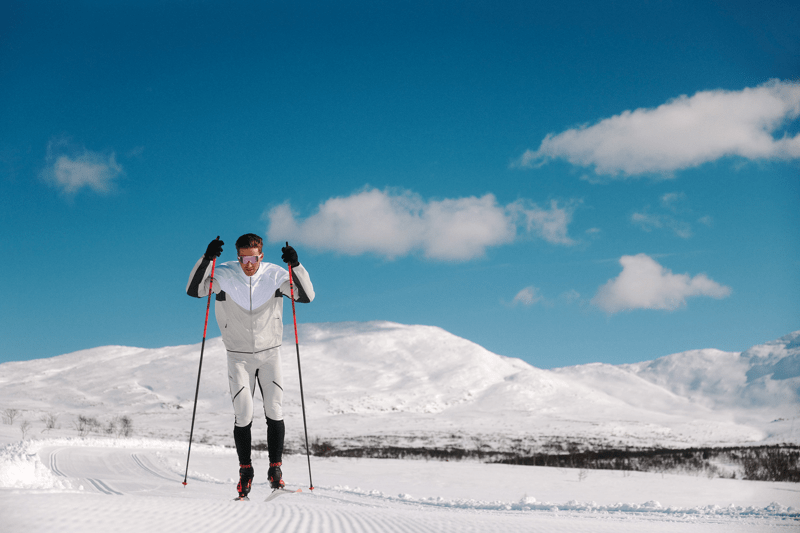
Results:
671 200
683 133
645 284
528 296
672 214
646 221
649 222
570 296
707 220
550 224
395 223
71 169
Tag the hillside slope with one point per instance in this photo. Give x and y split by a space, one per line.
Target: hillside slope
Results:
381 383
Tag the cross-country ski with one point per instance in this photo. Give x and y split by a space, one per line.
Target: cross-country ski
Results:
281 492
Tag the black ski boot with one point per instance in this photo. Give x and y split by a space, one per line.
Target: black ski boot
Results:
275 476
245 481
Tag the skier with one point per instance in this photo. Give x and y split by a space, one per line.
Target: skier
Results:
249 310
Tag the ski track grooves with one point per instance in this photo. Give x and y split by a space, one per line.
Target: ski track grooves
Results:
102 487
54 465
155 500
141 462
148 467
300 514
352 521
324 510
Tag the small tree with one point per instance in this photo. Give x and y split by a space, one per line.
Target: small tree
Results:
9 415
24 427
49 421
85 425
124 426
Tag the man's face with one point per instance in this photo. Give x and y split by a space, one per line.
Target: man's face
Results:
246 261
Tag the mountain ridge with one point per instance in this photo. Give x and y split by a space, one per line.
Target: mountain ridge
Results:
421 385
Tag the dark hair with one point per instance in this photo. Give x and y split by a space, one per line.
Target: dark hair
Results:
249 240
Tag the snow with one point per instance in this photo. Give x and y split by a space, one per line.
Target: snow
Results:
381 383
102 484
420 385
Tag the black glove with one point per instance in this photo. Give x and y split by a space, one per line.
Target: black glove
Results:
214 249
289 256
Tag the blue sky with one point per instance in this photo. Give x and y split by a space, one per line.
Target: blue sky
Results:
564 183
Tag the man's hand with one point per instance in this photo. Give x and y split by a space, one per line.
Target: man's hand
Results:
289 256
214 249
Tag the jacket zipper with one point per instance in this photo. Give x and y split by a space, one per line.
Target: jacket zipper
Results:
252 327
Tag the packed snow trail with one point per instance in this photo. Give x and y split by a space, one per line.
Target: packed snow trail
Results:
315 513
73 485
113 474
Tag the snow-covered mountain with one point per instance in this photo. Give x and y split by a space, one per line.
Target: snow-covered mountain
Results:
381 383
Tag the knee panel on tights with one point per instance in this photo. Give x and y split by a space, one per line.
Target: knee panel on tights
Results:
243 407
272 393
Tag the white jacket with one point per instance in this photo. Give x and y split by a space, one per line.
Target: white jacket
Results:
249 309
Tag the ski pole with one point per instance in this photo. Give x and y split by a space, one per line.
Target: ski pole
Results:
202 348
300 374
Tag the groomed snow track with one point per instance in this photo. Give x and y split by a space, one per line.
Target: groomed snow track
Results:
95 488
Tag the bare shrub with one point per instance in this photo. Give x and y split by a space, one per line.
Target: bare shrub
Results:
85 425
9 415
124 426
49 420
24 427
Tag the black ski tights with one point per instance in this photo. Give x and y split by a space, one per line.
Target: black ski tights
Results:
276 431
275 434
241 436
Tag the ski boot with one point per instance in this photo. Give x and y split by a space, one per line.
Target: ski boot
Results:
245 481
275 476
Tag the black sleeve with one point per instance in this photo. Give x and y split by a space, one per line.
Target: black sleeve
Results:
302 296
193 288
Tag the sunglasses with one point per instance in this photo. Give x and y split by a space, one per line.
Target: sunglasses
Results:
244 259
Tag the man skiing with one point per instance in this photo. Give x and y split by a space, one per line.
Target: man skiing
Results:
249 310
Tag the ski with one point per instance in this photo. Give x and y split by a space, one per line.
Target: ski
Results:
241 499
280 492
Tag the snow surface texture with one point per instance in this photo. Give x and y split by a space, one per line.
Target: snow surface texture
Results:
381 383
384 383
98 484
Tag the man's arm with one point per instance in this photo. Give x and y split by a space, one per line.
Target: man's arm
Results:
303 289
200 278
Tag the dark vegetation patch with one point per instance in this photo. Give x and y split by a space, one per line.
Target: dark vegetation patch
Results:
759 463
